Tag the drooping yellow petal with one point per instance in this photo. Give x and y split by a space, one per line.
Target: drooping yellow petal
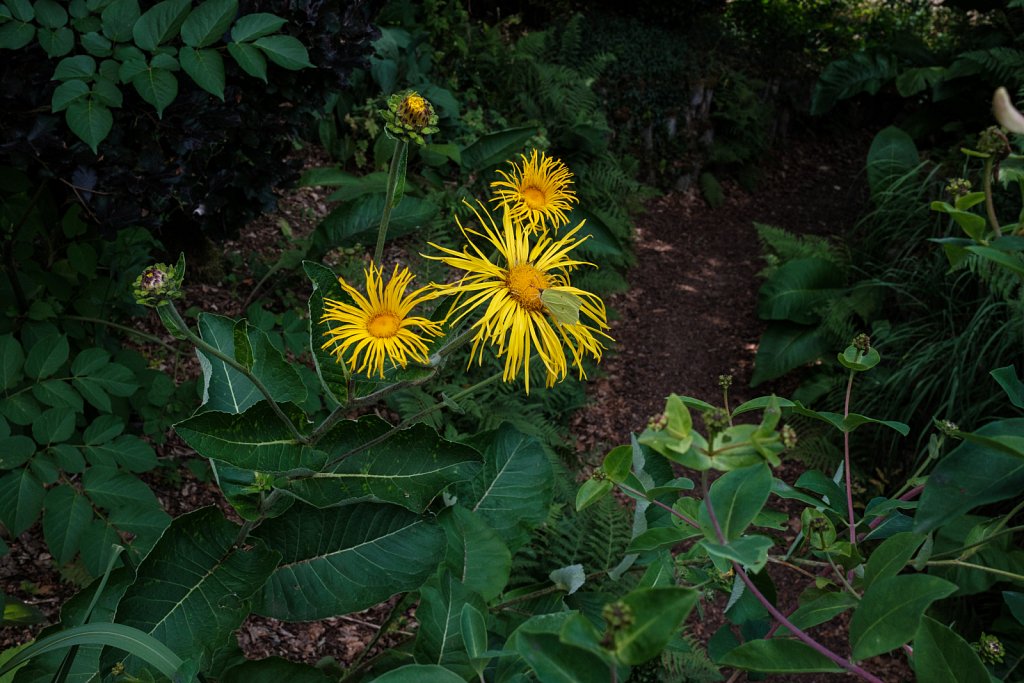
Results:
537 194
513 316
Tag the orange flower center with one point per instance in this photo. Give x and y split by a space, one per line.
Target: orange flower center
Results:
524 284
384 325
534 197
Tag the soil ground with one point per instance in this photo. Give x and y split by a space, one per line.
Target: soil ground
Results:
688 317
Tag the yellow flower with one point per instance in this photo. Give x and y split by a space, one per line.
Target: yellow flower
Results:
515 317
378 326
536 194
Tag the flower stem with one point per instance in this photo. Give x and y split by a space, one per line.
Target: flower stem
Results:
979 567
389 197
990 208
232 363
123 328
846 462
774 611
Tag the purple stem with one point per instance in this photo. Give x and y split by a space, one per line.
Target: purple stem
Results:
846 459
671 509
776 614
909 495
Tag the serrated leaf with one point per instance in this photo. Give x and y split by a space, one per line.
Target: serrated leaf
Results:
249 59
160 23
206 68
208 22
345 559
191 590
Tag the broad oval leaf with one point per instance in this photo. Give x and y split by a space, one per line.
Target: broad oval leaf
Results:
971 475
778 656
345 559
495 148
736 498
891 610
285 51
892 556
477 556
191 591
439 639
409 468
253 26
330 372
206 68
208 22
657 614
160 23
942 656
360 219
90 120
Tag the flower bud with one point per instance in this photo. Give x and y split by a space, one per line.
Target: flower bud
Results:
990 649
159 283
958 187
409 117
789 439
862 343
993 142
725 381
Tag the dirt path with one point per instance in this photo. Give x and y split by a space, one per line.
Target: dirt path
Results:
690 312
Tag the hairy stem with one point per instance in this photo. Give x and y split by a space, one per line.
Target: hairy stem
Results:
385 218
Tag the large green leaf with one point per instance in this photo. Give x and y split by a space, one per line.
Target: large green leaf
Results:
419 673
513 490
274 670
157 86
941 656
844 78
254 440
253 26
21 500
892 155
192 591
345 559
892 556
12 360
439 639
538 642
971 475
410 468
228 390
89 120
495 148
750 551
359 220
778 656
819 610
657 614
119 19
736 498
798 288
208 22
160 23
328 369
476 556
1010 383
785 346
890 612
67 515
206 68
285 51
249 59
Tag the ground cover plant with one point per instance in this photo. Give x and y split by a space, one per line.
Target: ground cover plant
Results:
358 464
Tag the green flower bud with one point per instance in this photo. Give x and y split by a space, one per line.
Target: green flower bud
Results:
409 117
724 381
958 187
159 283
862 343
990 649
993 142
789 439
